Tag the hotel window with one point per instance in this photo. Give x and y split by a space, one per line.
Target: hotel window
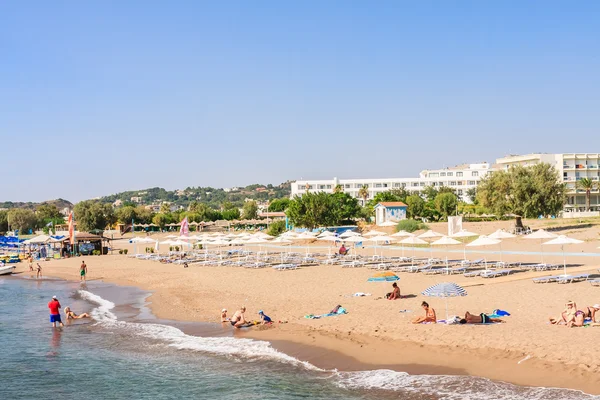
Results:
397 184
378 185
415 184
442 174
433 174
459 174
475 173
347 186
434 184
403 184
460 192
472 183
310 187
328 186
385 185
321 187
358 185
421 183
452 183
450 173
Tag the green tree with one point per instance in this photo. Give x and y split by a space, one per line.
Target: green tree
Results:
91 215
161 220
22 219
472 195
126 214
415 206
227 205
231 214
312 210
276 228
47 212
526 191
338 188
363 193
587 185
143 215
446 203
3 221
279 205
165 208
250 210
429 192
346 207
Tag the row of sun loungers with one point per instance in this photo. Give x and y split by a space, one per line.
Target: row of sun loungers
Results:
562 278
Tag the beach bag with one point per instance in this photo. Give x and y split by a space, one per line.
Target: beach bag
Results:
501 313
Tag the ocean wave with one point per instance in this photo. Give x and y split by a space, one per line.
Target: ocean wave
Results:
248 349
452 387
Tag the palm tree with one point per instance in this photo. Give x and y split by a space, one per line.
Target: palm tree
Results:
588 185
338 188
364 193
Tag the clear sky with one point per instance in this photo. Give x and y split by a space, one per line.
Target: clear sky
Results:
98 97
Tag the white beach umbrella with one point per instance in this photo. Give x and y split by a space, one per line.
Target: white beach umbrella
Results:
262 235
402 234
562 240
326 233
142 240
167 242
541 234
354 239
430 235
483 240
374 233
349 233
446 241
463 234
171 236
413 240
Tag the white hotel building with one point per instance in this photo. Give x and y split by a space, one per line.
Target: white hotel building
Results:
570 166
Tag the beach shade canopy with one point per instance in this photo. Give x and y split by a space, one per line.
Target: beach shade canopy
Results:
463 234
330 239
500 234
413 240
354 239
171 236
445 241
289 234
325 234
384 277
41 239
541 235
349 233
430 234
262 235
374 233
381 239
180 243
167 242
562 240
483 241
445 289
402 234
388 223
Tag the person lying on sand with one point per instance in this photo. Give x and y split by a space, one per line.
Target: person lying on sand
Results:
238 318
478 319
429 315
567 315
264 319
71 315
224 315
395 293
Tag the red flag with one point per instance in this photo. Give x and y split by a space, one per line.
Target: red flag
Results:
71 229
185 228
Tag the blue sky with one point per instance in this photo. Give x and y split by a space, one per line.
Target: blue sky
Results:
99 97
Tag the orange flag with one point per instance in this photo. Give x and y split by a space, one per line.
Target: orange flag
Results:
71 228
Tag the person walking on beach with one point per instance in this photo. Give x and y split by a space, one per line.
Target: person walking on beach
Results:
30 262
54 306
82 271
39 271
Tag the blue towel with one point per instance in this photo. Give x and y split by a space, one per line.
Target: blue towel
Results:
501 313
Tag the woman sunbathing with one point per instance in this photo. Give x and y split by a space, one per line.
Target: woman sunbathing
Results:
72 315
429 315
478 319
567 316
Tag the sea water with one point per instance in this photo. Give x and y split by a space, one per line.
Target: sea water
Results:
119 354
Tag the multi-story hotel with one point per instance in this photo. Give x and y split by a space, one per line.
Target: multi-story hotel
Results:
570 166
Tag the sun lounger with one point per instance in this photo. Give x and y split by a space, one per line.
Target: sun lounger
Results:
546 279
419 268
283 267
469 263
471 274
573 278
495 273
595 282
433 271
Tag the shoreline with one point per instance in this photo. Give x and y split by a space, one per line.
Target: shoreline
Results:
351 351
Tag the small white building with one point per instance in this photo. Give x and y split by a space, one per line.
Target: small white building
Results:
393 211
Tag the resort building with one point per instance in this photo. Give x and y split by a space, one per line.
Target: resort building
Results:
392 211
462 178
572 167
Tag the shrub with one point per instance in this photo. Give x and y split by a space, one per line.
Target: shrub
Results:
276 228
121 251
96 253
125 251
411 225
176 248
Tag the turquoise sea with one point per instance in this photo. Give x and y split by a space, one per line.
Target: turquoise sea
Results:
124 353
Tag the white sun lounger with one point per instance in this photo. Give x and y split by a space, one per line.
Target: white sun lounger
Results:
595 282
419 268
573 278
495 273
283 267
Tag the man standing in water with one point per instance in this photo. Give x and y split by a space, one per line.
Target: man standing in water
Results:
82 270
54 306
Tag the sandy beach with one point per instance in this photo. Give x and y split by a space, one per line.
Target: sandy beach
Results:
525 350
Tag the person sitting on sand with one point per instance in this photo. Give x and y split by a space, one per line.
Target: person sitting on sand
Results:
429 315
71 315
567 315
224 315
478 319
343 250
590 312
238 319
395 293
264 319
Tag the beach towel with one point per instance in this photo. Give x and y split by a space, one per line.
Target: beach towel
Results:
338 310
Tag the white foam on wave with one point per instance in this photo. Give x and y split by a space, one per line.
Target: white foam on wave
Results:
452 387
248 349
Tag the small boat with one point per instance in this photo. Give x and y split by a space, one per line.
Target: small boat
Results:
6 269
